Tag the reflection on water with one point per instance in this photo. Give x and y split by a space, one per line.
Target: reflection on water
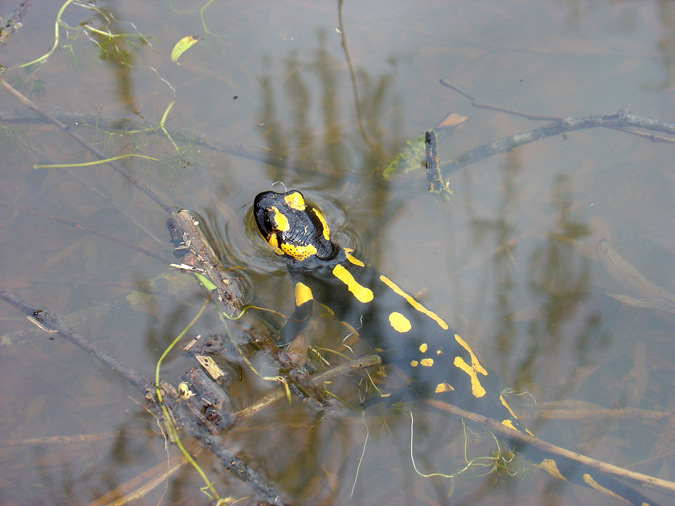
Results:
328 101
315 123
560 281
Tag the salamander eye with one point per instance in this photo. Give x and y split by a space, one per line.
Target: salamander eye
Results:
271 221
268 221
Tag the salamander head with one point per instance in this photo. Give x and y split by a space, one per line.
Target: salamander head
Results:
292 227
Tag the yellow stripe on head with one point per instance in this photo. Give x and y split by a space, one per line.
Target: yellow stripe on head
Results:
326 230
419 307
361 293
295 201
280 221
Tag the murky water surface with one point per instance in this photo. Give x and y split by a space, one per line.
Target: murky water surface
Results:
554 260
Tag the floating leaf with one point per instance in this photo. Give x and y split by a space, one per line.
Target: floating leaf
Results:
183 45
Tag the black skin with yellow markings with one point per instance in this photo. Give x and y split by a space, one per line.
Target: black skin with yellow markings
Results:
437 360
439 363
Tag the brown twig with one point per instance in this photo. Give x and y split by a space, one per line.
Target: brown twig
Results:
523 440
239 468
544 413
357 364
12 24
49 323
197 255
620 120
231 462
485 105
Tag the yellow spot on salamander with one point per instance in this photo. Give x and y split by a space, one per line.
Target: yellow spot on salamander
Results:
476 388
505 404
352 258
588 479
399 322
280 221
472 370
361 293
508 423
419 307
551 468
414 363
474 359
423 348
326 230
439 352
303 294
297 251
295 201
443 387
427 362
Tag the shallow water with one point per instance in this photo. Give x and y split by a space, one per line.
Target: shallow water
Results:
328 94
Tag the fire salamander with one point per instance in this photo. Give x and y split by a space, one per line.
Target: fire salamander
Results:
438 360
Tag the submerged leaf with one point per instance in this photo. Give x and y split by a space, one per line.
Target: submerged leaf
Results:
183 45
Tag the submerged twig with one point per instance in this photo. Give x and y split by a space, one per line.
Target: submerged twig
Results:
639 291
522 440
197 255
120 209
80 227
357 364
536 117
621 119
485 105
93 149
126 126
49 323
230 461
352 78
12 24
239 468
